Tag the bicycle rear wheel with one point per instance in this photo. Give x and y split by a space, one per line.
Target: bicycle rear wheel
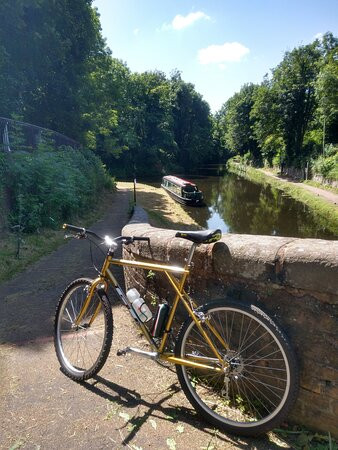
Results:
260 385
82 349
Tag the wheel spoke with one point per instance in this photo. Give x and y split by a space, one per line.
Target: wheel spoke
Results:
255 383
82 349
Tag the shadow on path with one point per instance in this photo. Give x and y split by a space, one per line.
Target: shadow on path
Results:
156 409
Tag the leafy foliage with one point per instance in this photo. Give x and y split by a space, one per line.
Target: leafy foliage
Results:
288 118
327 165
2 190
48 187
56 72
239 136
161 125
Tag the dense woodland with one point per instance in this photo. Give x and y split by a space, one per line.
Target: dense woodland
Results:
57 72
291 118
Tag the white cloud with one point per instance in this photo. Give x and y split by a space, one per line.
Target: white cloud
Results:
179 22
228 52
136 31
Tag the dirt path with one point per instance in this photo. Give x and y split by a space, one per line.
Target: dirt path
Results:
133 403
323 193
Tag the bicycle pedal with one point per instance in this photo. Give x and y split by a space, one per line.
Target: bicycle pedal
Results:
121 352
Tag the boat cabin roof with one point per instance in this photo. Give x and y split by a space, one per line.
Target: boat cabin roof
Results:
178 181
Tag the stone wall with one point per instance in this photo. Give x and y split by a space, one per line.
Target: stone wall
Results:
294 280
322 180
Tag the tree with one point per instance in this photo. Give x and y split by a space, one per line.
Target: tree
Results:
192 123
153 123
104 99
266 125
327 89
12 77
220 151
144 141
294 84
45 47
238 123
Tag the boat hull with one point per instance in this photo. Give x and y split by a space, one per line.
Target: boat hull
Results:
182 200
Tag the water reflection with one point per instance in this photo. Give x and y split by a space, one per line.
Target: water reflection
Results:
237 205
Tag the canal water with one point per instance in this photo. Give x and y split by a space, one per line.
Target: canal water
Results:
237 205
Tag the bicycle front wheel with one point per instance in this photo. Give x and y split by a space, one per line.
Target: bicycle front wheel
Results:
258 383
82 349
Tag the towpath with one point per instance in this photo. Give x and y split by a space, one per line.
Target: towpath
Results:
331 197
133 403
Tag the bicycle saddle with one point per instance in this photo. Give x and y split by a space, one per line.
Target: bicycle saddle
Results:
200 237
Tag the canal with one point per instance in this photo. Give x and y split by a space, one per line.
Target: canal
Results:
237 205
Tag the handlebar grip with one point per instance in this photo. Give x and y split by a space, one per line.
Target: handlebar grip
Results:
130 239
67 226
135 238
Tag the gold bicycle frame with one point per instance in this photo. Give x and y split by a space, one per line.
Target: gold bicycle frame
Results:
194 361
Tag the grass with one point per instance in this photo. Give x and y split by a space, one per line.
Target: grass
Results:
324 212
299 438
156 219
326 187
34 246
162 210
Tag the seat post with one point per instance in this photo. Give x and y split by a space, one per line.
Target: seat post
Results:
191 254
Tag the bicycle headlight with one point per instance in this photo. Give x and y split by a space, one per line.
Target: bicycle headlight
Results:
109 241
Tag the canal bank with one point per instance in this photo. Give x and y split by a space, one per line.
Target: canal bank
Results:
322 204
326 194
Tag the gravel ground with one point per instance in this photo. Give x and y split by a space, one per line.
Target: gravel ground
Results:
133 403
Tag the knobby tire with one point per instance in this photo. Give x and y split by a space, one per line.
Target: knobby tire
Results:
82 350
263 380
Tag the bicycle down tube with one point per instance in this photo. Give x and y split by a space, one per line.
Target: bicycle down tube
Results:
180 295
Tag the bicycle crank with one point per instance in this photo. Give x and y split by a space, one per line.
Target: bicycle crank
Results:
138 352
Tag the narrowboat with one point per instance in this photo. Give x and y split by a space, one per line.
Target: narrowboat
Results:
182 191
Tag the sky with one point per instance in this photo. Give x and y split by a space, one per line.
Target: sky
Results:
218 45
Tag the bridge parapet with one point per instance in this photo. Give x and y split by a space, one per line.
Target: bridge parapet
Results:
294 280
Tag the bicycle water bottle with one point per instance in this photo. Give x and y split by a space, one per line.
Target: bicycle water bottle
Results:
139 307
160 320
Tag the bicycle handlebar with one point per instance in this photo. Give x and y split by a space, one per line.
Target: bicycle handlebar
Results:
82 232
66 226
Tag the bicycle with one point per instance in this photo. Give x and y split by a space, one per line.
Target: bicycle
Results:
234 364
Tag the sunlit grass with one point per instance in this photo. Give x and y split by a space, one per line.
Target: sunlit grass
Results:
326 187
162 210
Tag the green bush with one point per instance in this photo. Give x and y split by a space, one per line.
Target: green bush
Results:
327 165
48 187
